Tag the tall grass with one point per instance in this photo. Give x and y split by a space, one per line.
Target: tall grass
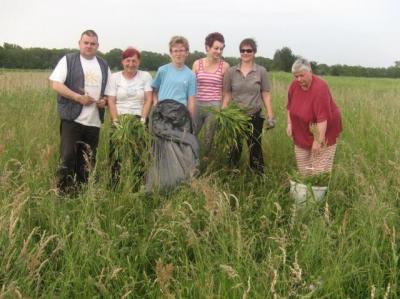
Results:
229 234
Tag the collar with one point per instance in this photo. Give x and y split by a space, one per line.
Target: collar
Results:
254 68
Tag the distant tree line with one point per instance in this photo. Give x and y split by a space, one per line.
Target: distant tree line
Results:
16 57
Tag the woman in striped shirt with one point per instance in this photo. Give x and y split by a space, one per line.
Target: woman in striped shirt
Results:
209 74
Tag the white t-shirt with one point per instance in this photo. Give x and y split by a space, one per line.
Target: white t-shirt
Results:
129 93
91 69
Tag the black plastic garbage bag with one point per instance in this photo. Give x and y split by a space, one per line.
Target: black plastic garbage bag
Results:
175 148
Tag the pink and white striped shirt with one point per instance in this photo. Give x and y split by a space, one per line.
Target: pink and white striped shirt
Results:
209 85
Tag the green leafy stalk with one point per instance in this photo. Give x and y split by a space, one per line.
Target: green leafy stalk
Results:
232 124
132 143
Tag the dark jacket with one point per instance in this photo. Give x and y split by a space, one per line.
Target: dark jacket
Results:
68 109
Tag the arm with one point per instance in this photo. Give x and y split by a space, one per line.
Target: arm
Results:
112 108
319 137
289 125
227 96
156 83
57 82
195 66
226 90
148 101
225 67
322 112
103 101
266 96
321 130
191 105
191 92
155 97
64 91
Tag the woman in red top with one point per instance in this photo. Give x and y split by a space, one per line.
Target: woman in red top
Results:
314 120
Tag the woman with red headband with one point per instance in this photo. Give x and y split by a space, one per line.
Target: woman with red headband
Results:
129 93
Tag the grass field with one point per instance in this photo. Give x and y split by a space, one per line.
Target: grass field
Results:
229 234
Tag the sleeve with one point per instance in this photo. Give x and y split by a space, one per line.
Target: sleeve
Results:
227 81
265 85
59 74
157 79
321 105
111 89
147 82
192 85
290 92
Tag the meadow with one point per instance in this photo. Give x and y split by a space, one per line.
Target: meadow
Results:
227 234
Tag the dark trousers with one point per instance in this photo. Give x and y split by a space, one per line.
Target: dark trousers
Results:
78 154
254 144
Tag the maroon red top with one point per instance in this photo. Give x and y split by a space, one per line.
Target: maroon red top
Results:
312 106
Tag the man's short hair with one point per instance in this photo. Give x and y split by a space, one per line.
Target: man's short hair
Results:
89 32
178 40
301 64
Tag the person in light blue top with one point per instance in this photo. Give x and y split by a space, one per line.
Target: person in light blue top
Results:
175 81
175 148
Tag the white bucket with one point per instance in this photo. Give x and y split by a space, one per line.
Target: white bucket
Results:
301 192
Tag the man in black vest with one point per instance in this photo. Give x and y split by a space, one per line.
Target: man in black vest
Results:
80 80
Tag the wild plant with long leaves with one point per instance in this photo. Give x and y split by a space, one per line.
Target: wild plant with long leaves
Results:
132 143
322 179
232 124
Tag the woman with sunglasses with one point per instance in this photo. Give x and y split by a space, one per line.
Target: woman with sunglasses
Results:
247 84
209 75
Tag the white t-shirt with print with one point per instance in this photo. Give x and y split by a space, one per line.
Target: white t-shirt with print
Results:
89 115
129 93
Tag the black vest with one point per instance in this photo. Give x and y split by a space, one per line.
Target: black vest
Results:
69 109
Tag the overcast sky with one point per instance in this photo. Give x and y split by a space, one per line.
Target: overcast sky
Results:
353 32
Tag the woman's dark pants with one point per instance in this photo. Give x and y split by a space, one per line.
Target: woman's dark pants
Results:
254 144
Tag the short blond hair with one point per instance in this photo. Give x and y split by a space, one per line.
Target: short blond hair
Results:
178 40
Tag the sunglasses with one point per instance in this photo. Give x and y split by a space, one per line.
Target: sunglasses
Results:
246 50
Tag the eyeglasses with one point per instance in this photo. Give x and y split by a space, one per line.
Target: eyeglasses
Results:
178 51
246 50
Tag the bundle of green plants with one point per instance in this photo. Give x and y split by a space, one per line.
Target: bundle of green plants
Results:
232 124
132 144
320 180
